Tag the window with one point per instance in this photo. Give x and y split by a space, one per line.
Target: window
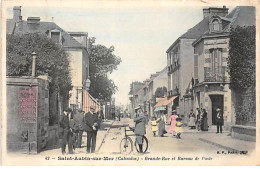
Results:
215 25
55 36
216 60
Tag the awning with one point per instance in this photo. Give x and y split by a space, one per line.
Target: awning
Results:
163 108
165 101
88 101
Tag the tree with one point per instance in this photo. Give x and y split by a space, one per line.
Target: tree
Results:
52 60
242 71
241 59
102 62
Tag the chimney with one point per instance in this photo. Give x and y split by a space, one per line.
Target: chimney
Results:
33 22
17 14
215 11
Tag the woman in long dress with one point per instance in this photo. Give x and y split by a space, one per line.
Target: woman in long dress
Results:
204 124
161 129
172 119
192 120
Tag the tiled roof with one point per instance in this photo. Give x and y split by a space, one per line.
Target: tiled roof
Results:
149 81
44 27
243 16
195 32
239 16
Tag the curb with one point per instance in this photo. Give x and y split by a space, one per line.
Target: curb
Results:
103 141
218 145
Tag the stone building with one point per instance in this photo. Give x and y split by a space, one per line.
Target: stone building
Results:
145 96
180 63
211 79
74 43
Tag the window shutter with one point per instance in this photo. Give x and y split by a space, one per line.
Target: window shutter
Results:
196 66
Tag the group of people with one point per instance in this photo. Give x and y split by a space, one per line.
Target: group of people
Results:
175 128
74 123
200 122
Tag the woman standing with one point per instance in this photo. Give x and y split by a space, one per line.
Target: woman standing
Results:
172 119
204 124
161 130
192 120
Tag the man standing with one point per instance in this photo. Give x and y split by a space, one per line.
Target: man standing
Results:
91 120
219 120
139 128
64 122
79 120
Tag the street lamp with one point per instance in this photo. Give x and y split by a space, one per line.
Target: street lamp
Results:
86 84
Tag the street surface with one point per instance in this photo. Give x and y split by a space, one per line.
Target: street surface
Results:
194 148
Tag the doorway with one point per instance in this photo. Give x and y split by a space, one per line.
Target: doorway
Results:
216 102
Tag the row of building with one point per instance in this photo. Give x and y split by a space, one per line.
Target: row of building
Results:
196 74
32 110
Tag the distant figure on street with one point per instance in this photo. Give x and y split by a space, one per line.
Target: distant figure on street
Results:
155 125
79 120
192 120
161 130
198 120
172 119
219 120
146 117
204 120
140 130
92 125
178 127
66 131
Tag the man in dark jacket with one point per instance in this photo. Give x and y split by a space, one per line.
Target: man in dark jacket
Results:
64 122
219 120
92 125
79 120
140 130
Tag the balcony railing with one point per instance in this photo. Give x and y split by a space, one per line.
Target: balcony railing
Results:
218 75
174 92
173 68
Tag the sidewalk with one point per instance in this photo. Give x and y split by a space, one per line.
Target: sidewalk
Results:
223 141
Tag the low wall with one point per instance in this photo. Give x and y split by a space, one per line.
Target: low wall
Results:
247 133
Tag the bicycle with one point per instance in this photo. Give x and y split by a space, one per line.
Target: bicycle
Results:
126 144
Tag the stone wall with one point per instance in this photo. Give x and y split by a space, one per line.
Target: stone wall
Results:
27 114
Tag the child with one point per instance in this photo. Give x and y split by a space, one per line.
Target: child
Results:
154 126
178 127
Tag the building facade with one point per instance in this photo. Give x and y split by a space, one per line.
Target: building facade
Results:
180 63
74 43
211 79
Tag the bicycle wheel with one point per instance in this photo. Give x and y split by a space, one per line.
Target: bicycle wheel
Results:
145 145
126 145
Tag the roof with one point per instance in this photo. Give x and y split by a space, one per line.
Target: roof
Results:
149 81
193 33
242 16
44 27
239 16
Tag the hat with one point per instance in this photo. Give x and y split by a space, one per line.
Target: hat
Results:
137 108
218 109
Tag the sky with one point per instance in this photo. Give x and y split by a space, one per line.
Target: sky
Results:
141 35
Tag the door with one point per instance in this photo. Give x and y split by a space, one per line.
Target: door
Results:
216 102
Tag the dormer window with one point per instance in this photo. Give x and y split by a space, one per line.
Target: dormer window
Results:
215 25
55 35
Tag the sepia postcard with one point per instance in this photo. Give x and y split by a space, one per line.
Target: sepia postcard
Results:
130 83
